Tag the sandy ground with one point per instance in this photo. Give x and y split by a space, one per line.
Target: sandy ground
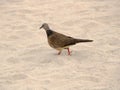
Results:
27 61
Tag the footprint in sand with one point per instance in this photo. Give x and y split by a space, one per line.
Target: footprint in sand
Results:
12 60
18 76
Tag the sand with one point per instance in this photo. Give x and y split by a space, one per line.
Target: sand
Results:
27 61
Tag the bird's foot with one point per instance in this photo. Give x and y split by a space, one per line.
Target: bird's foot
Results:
70 53
59 52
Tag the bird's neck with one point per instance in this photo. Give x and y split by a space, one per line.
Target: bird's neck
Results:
49 32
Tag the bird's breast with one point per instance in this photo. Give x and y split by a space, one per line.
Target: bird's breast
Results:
51 43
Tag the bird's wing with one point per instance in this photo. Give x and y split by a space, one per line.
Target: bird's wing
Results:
60 40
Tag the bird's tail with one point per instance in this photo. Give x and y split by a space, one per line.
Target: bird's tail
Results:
83 40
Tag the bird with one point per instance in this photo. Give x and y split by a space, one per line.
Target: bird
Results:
60 41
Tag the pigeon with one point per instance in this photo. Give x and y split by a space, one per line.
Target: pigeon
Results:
60 41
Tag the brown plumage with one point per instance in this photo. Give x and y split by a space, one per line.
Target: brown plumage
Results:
59 41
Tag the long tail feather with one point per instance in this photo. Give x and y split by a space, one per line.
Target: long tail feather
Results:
83 40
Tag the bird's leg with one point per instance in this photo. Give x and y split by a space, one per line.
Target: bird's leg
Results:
69 53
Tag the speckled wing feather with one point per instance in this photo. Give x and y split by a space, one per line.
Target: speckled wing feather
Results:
58 40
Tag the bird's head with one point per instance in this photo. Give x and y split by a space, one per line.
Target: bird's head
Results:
45 26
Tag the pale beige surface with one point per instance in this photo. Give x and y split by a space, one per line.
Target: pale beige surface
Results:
28 63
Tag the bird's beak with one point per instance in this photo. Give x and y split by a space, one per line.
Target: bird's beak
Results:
41 27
